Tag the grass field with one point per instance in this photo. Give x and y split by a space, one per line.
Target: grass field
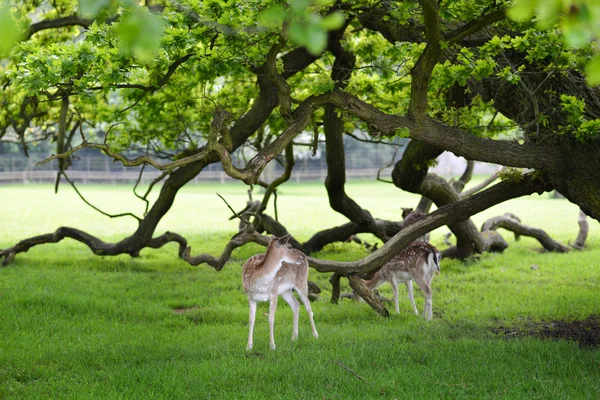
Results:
74 325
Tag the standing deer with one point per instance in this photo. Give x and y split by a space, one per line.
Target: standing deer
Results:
418 262
410 216
277 272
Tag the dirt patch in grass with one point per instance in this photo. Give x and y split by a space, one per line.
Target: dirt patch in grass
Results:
585 332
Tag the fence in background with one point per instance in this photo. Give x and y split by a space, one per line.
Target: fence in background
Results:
99 169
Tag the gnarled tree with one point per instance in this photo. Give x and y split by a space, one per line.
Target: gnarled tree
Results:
454 76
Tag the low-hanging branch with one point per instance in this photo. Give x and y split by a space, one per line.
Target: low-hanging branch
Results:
488 181
136 162
238 240
127 214
287 173
97 246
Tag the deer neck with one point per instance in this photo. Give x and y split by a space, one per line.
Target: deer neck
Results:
272 263
375 282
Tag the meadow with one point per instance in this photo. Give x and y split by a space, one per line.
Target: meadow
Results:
78 326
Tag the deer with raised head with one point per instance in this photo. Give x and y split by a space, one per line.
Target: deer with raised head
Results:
409 217
418 261
276 273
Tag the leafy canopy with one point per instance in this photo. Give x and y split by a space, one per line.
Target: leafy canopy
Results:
154 76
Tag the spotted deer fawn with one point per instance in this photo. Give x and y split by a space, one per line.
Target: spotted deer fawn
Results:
418 262
274 273
409 217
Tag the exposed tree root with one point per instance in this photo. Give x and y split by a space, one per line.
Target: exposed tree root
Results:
489 225
97 246
584 228
510 223
494 242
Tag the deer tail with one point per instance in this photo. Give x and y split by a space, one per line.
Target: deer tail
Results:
433 260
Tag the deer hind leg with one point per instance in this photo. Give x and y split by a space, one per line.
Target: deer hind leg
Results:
411 296
394 284
291 300
252 317
303 294
272 308
424 285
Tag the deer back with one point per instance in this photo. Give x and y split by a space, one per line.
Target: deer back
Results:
412 260
249 269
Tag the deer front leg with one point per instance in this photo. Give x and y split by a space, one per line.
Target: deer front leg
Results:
295 306
272 308
252 306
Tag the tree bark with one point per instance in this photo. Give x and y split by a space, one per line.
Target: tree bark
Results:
513 225
368 296
584 228
334 279
343 232
336 176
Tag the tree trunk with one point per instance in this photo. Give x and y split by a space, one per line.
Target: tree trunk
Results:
336 176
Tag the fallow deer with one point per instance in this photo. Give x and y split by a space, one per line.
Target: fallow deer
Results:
409 217
418 262
274 273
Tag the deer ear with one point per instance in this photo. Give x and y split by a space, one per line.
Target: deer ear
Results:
286 238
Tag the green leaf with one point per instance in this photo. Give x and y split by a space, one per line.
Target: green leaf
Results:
310 35
592 71
333 21
317 39
139 33
403 132
323 2
10 32
299 6
522 10
575 32
548 12
92 8
273 15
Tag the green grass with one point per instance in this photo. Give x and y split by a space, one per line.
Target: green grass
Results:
74 325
